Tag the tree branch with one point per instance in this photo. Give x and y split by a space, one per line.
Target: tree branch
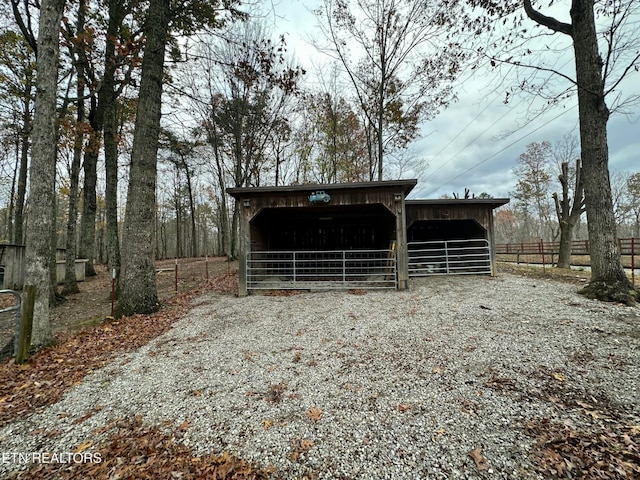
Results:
549 22
26 30
517 63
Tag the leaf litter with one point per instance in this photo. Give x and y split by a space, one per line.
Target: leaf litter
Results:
132 450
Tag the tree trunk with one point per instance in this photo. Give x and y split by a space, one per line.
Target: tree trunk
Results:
138 280
568 214
224 238
18 237
43 169
107 96
87 244
70 281
234 244
608 280
192 211
9 215
178 210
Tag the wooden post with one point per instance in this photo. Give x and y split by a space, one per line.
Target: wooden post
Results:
544 271
402 252
206 267
26 324
176 275
113 291
633 262
244 245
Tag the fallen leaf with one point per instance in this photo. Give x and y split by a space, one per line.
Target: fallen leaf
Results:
403 407
83 446
481 462
306 444
314 413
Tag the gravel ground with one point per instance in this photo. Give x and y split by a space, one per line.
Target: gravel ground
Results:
398 385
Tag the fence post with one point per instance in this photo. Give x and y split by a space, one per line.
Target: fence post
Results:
176 275
26 325
113 291
544 271
633 261
206 267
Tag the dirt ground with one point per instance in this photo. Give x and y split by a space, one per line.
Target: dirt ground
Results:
93 303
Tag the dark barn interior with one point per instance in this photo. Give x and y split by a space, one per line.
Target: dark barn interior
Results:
342 227
429 230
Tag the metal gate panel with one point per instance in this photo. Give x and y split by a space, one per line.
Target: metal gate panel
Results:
449 257
321 269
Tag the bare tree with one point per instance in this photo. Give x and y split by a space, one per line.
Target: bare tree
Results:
570 206
248 84
633 189
17 83
403 67
532 188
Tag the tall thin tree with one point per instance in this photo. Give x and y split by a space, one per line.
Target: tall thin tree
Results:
43 168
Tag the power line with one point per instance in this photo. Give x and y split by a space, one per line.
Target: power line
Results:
505 148
486 129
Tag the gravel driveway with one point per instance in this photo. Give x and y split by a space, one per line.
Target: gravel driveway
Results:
382 384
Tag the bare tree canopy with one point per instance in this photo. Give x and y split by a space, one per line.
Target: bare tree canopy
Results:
400 61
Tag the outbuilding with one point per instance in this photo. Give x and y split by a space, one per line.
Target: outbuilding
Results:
354 235
344 235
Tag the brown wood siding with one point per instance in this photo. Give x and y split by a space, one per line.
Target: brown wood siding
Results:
482 214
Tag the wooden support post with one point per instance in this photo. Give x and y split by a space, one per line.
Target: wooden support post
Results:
26 325
244 246
402 252
633 262
176 275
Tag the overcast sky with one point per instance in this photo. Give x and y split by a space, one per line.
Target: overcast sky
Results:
475 143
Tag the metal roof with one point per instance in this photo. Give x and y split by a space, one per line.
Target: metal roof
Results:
405 185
